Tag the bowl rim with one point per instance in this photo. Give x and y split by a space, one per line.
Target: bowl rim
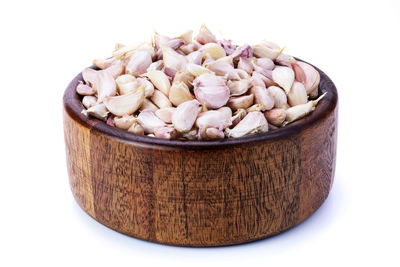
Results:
73 106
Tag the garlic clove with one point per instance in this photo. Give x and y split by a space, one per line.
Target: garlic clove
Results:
160 99
89 76
149 121
126 83
285 60
158 65
148 89
211 90
84 89
138 63
255 107
185 77
159 80
124 122
238 116
174 43
98 111
226 110
266 50
125 104
284 77
105 85
245 64
197 70
300 111
275 116
222 68
279 96
136 129
195 57
165 114
147 104
297 94
179 93
253 123
262 97
264 66
103 63
240 102
116 68
187 36
190 135
213 50
239 87
307 75
227 46
165 132
159 40
214 133
213 119
89 101
258 79
185 115
173 60
313 94
243 52
121 52
205 36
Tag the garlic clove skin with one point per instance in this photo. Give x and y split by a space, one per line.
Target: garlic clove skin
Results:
148 89
105 85
262 97
255 107
213 119
179 93
238 116
160 99
116 68
240 87
124 122
297 94
147 104
226 110
190 135
213 50
187 36
165 132
138 63
185 77
149 121
275 116
126 83
245 64
211 91
84 89
266 50
279 96
157 65
300 111
214 134
174 43
173 60
285 60
240 102
194 57
243 52
307 75
159 80
253 123
89 101
257 79
89 76
136 129
103 63
165 114
125 104
284 77
223 68
185 115
205 36
98 111
197 70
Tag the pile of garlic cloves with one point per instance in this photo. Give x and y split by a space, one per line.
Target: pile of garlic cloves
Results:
198 88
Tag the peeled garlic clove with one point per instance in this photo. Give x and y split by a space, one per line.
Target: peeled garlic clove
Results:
165 114
255 107
89 101
214 133
297 94
205 36
160 99
213 119
124 122
84 89
136 129
147 104
222 68
105 85
139 62
285 60
267 50
158 65
211 90
307 75
148 89
300 111
258 79
213 50
253 123
197 70
126 83
185 115
244 51
89 76
284 77
149 121
279 96
125 104
245 64
103 63
185 77
262 97
238 116
98 111
240 102
173 60
195 57
275 116
165 132
159 80
239 87
179 93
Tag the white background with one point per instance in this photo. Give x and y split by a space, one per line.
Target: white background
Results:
44 44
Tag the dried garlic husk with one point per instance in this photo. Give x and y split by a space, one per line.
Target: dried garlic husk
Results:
159 80
185 115
253 123
125 104
300 111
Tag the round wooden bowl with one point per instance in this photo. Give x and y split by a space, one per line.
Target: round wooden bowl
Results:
201 193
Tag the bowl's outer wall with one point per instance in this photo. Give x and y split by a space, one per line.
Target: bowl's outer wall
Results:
201 197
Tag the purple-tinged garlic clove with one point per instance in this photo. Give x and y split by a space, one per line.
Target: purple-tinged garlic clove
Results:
147 104
160 80
213 50
205 36
159 40
195 57
165 132
275 116
264 66
227 46
160 99
222 67
173 60
307 75
285 60
124 122
125 104
266 50
185 77
262 97
243 52
185 115
103 63
98 111
284 77
84 89
158 65
174 43
138 63
105 85
297 94
313 94
213 119
165 114
110 120
89 101
253 123
149 121
257 79
197 70
211 90
148 89
240 87
240 102
297 112
279 96
238 116
179 93
245 64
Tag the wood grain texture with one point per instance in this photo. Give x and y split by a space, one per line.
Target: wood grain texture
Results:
201 193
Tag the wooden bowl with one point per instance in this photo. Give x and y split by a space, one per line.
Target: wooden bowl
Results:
201 193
